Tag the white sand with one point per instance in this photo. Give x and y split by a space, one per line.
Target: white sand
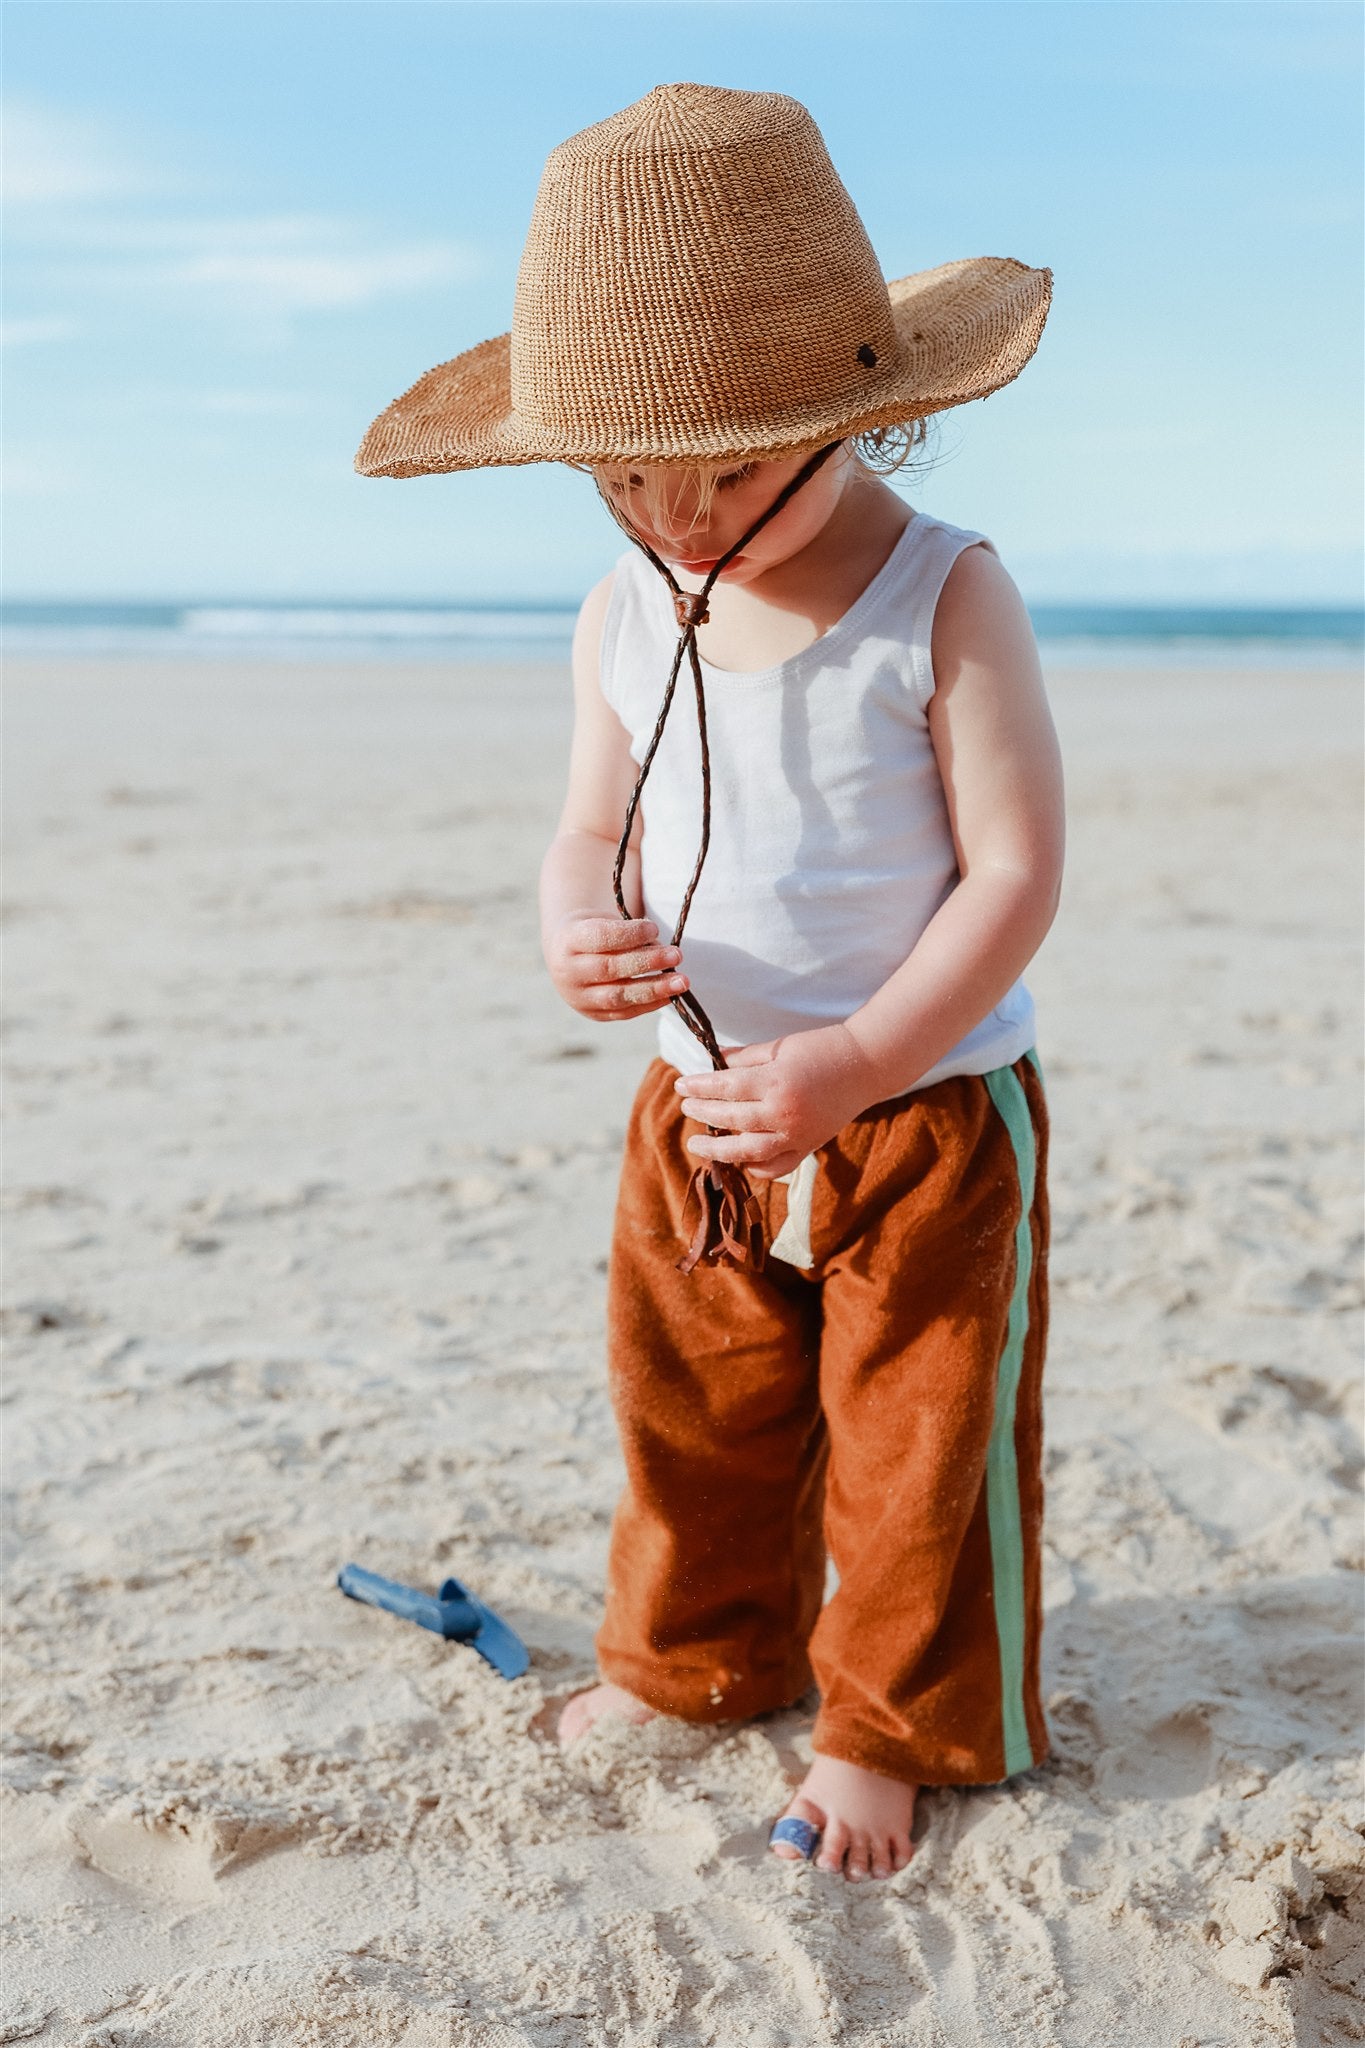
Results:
310 1189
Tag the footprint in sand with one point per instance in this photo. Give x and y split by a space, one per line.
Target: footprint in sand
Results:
180 1861
1171 1759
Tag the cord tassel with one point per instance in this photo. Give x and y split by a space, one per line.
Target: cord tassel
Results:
729 1225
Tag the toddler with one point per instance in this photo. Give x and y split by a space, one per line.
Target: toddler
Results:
814 821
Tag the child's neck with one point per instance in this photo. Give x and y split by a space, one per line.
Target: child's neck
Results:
756 625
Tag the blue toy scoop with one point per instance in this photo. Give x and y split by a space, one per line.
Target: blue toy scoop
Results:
453 1613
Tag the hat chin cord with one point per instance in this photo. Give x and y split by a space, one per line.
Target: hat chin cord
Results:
728 1226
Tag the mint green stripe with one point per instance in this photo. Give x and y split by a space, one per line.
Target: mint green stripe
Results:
1002 1470
1032 1057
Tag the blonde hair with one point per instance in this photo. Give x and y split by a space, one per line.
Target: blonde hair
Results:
884 450
881 451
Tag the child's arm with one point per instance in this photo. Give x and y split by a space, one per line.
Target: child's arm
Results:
998 756
604 965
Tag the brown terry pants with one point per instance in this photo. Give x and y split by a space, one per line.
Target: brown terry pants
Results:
884 1403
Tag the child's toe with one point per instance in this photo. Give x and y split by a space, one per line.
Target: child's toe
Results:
834 1847
583 1708
571 1721
858 1858
797 1809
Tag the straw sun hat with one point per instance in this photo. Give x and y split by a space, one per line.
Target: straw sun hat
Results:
697 286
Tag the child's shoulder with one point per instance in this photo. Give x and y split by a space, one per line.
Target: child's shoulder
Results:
980 617
928 536
587 639
935 567
603 616
593 609
618 582
975 573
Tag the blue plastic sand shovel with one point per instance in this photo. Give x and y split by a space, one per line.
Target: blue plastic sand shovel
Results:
453 1613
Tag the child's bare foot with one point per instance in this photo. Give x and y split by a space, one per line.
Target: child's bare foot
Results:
586 1707
864 1819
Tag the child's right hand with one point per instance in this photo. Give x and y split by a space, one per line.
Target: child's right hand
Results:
608 968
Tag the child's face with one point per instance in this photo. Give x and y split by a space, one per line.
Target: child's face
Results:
691 515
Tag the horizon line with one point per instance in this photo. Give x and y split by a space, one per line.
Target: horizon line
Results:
1259 606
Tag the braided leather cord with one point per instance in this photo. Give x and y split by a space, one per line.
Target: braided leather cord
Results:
728 1225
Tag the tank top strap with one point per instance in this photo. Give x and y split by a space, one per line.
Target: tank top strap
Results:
907 598
639 635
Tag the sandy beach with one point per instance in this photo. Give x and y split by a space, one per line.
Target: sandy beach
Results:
310 1182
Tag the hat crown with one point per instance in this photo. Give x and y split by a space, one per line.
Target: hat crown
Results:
694 265
688 117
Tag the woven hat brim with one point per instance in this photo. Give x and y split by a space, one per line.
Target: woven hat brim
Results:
966 329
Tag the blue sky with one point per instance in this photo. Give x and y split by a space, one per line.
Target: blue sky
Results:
235 232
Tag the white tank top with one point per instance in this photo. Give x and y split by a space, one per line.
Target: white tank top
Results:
830 843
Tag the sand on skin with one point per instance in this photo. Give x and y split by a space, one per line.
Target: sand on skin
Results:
310 1182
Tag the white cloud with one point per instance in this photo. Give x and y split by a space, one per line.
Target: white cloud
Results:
30 328
50 157
273 264
297 266
34 475
67 185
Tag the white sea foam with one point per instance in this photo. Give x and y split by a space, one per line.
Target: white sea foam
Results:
379 622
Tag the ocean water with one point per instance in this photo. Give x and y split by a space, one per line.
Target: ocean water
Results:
357 631
230 629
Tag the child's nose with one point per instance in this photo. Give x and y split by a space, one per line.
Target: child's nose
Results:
685 541
690 547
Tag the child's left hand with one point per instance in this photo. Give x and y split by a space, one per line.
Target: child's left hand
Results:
780 1100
